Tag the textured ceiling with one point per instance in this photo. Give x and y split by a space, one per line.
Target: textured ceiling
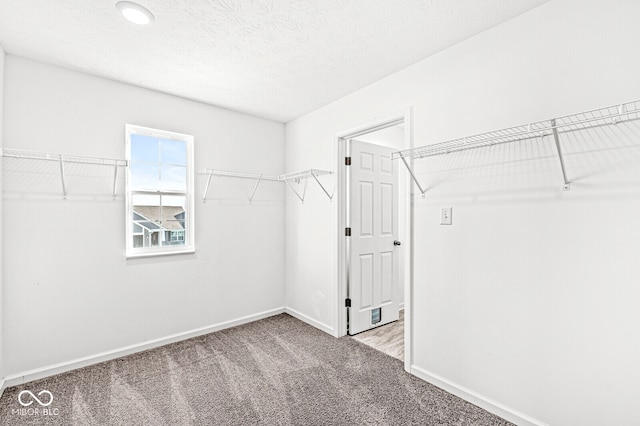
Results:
277 59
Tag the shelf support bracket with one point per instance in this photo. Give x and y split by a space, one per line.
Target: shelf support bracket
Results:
618 117
413 176
115 180
206 188
254 189
296 192
567 184
321 185
62 177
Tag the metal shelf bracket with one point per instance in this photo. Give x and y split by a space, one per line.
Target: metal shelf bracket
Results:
298 176
621 111
115 181
62 178
322 186
304 191
413 177
254 189
567 184
206 188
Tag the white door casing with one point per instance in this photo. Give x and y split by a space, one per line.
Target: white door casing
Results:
374 269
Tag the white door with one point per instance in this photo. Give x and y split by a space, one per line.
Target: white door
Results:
374 268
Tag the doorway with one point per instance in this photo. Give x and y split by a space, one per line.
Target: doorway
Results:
374 291
388 339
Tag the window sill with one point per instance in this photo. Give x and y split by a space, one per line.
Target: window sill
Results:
156 254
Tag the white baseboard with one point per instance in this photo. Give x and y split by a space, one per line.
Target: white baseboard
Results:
2 386
475 398
401 306
315 323
50 370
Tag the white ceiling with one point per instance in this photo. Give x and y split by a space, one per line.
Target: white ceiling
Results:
277 59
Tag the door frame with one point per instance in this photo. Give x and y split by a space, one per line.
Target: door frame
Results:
342 138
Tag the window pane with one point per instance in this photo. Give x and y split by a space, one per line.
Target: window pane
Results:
173 152
161 219
145 176
146 210
145 148
174 214
173 178
174 200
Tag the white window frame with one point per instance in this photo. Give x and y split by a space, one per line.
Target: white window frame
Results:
189 243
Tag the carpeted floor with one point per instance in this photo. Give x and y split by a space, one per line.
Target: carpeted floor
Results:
277 371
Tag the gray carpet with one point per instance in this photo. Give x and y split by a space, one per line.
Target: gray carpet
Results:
277 371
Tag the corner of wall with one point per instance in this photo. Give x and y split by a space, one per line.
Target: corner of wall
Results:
2 55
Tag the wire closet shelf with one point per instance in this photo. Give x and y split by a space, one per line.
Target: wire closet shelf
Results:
305 174
231 174
553 127
287 178
67 159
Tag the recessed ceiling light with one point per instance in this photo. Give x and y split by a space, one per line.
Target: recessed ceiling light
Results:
135 13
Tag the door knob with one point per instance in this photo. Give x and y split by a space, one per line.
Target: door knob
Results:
396 243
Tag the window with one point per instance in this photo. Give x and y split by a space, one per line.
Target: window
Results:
177 236
159 192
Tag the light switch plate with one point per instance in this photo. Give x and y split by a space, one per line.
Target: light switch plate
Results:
445 216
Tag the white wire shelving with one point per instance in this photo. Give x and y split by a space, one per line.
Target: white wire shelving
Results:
287 178
210 173
305 174
62 160
554 127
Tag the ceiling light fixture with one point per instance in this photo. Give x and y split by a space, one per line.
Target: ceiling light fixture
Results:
135 13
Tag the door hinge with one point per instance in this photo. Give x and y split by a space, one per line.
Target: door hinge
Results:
347 302
347 232
347 161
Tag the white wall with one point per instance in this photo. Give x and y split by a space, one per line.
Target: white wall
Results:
526 304
2 57
72 293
